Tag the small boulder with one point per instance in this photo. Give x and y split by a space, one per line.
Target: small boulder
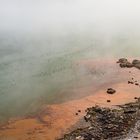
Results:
79 110
76 114
108 101
134 62
129 65
122 60
111 91
136 84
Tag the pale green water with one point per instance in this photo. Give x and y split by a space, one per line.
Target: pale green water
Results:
38 69
41 40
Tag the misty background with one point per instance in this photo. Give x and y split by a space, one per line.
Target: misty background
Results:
41 39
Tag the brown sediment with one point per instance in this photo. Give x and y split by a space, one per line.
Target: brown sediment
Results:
61 117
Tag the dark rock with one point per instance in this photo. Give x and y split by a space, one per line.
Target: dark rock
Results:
130 82
124 63
79 110
137 66
122 60
136 137
108 101
111 91
134 62
76 113
130 111
129 65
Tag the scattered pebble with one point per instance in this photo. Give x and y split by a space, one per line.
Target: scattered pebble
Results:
76 113
136 84
108 101
79 110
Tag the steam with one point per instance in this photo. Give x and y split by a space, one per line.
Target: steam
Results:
107 21
40 40
66 15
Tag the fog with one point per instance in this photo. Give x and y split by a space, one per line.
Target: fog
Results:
40 40
63 15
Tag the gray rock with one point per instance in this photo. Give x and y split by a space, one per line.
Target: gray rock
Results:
134 62
122 60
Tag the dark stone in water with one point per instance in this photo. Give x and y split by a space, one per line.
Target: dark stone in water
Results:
124 63
122 60
134 62
111 91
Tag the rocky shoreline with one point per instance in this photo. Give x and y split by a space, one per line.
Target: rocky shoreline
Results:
110 123
119 87
107 123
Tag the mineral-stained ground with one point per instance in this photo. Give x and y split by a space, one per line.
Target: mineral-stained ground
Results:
106 123
110 123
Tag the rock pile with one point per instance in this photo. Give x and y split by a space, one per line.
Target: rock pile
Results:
124 63
106 123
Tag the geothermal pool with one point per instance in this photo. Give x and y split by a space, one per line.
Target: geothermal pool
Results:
37 70
42 43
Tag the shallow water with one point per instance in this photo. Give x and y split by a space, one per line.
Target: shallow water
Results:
39 69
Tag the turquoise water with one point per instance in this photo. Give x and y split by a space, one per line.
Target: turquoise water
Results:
39 69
